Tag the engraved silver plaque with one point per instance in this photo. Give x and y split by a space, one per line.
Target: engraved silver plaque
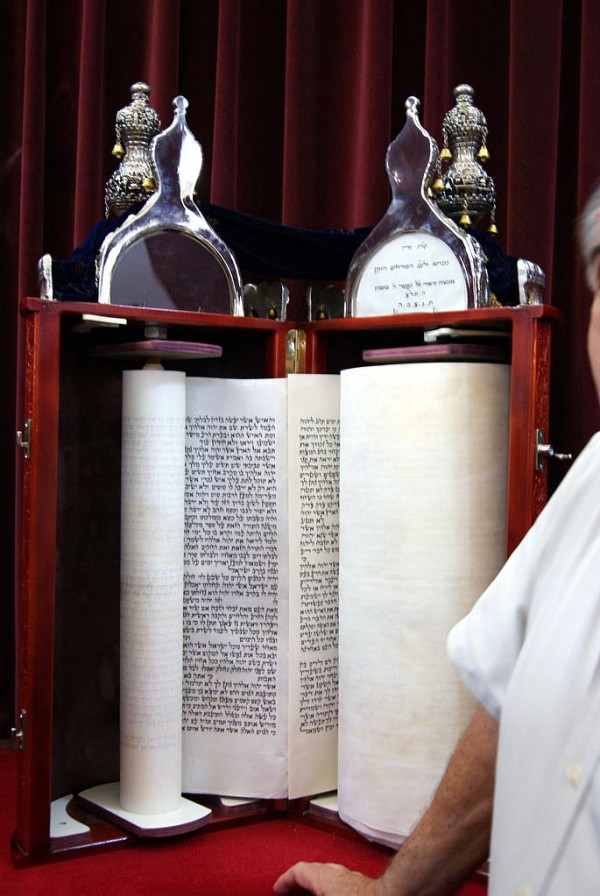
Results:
415 258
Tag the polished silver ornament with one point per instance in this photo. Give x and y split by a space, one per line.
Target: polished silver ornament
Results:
135 127
464 191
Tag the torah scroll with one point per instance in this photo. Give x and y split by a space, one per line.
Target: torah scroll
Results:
153 482
423 484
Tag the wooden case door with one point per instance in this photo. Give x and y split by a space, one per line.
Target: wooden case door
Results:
68 605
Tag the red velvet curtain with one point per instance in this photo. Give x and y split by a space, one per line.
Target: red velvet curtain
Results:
295 103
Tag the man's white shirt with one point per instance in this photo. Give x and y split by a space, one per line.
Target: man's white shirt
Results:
530 652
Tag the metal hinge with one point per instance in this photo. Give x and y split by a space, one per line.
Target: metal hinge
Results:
295 352
24 439
18 734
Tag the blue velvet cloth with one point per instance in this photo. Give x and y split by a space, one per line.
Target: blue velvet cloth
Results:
265 248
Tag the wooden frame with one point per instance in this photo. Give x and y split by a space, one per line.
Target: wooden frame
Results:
69 400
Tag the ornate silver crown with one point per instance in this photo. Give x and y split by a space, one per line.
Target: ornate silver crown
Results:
466 193
135 178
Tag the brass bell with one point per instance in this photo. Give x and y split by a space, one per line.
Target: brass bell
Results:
118 150
493 229
445 155
465 219
437 185
483 154
149 185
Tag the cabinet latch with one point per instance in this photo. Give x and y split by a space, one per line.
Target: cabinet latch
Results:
543 451
24 439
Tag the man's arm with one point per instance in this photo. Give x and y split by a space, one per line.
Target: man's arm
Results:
450 841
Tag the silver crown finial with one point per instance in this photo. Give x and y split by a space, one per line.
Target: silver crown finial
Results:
135 127
466 192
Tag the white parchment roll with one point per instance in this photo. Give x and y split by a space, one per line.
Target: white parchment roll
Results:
152 520
423 487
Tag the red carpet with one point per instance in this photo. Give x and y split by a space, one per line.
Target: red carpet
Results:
243 861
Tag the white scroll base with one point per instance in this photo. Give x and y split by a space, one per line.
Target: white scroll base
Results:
187 817
62 826
325 806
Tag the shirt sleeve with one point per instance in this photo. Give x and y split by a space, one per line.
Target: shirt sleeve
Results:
485 645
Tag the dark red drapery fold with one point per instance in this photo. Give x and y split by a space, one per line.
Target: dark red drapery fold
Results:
533 126
295 102
338 73
88 149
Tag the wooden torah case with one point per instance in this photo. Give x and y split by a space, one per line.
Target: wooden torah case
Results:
68 605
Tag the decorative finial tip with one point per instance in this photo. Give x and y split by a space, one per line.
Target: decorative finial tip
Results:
412 105
464 90
140 87
180 105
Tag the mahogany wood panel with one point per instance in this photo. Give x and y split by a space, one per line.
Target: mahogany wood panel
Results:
35 611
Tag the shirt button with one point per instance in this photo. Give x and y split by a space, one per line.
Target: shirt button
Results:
574 774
